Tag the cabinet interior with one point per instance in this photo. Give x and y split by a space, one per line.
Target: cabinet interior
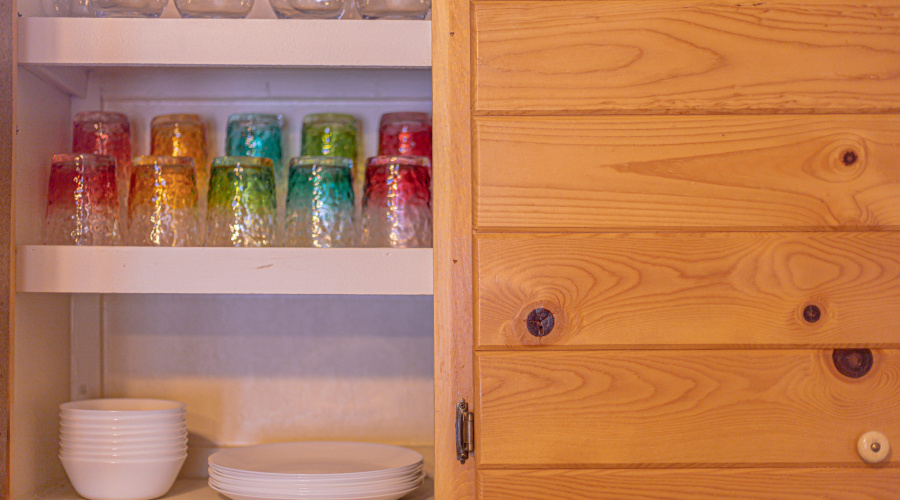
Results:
252 368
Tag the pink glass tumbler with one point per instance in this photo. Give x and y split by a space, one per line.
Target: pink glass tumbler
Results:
105 133
82 201
396 209
405 133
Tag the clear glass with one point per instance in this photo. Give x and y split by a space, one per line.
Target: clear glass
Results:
396 209
309 9
241 206
227 9
393 9
82 201
162 203
68 8
128 8
182 135
320 203
106 133
406 133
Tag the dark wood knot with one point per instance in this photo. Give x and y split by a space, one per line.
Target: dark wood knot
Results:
812 313
849 157
539 322
853 363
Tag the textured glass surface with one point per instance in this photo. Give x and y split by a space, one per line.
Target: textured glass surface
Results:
393 9
182 135
320 203
396 208
82 202
129 8
105 133
226 9
309 9
162 207
405 133
241 205
255 134
68 8
331 134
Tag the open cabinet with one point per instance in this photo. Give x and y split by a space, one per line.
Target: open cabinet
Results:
263 345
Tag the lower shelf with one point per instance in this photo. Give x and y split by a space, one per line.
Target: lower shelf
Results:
198 489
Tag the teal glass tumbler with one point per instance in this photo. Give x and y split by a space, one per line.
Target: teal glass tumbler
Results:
320 205
256 134
241 208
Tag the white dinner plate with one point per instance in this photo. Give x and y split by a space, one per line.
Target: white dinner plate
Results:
319 490
324 481
257 496
315 459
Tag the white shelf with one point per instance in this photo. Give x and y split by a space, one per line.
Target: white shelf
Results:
94 42
295 271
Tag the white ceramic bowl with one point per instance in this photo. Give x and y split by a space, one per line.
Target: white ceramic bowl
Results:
130 443
124 455
122 479
131 407
118 435
112 448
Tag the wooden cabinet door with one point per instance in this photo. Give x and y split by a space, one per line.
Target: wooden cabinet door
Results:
667 248
8 71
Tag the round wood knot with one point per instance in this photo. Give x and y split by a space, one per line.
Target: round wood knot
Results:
849 157
812 313
853 363
539 322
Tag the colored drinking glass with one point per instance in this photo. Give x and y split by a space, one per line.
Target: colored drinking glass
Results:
162 203
256 134
331 134
182 135
405 133
396 209
105 133
320 203
82 201
241 206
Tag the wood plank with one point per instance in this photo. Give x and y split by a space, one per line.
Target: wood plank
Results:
681 484
453 308
638 290
7 239
739 172
675 56
680 408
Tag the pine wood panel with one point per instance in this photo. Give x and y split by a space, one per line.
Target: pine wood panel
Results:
667 172
683 57
453 316
7 262
703 407
690 289
681 484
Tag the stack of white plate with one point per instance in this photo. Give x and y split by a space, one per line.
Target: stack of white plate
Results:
316 470
122 448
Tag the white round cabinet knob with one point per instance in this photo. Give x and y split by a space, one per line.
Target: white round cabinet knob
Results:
873 447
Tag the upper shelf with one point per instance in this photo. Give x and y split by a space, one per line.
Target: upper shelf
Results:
94 42
208 270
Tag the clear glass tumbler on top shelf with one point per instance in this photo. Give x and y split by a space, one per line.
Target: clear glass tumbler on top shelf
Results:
224 9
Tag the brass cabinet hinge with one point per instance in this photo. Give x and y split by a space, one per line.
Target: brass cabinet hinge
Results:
465 431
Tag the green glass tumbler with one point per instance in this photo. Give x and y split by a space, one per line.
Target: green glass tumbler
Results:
241 205
331 134
320 203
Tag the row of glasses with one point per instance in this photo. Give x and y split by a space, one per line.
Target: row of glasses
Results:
163 203
236 9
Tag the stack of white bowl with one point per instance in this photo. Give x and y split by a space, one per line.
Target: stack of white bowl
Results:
122 449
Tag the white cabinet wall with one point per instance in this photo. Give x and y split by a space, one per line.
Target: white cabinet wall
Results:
263 345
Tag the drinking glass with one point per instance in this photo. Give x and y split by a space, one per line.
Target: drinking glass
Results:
106 133
256 134
182 135
241 205
128 8
333 134
309 9
405 133
82 202
320 203
162 203
68 8
393 9
396 209
225 9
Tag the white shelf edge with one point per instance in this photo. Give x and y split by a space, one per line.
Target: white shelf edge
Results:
93 42
294 271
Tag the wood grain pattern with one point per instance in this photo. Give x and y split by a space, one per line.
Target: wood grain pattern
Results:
639 290
682 484
680 408
739 172
7 240
687 57
453 317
